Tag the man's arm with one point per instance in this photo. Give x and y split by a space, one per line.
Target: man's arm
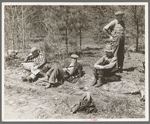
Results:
99 62
109 26
80 71
111 64
107 32
29 57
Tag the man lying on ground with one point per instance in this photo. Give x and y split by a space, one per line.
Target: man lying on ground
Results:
57 75
36 63
104 67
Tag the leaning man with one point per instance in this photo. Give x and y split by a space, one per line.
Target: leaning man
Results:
34 62
57 75
104 67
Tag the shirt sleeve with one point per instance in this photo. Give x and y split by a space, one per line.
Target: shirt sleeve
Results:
100 61
111 64
80 71
42 62
28 58
110 25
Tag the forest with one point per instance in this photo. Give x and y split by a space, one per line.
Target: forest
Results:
64 29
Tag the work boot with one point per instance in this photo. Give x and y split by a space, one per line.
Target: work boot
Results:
94 82
24 79
99 82
30 80
48 86
61 81
120 69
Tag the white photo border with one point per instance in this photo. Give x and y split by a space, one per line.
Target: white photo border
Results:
85 3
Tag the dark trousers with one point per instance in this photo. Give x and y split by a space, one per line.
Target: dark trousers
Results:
119 50
56 73
103 73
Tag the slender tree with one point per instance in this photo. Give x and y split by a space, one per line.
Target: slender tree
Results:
82 21
23 30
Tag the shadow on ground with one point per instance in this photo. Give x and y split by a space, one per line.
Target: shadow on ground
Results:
129 69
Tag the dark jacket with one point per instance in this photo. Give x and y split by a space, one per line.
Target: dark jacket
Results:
78 69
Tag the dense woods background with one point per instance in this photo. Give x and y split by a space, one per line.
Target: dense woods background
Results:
64 29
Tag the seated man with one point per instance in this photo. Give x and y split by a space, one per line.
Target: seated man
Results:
36 63
74 69
104 67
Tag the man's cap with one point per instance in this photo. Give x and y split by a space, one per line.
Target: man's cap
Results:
108 48
74 56
119 13
33 49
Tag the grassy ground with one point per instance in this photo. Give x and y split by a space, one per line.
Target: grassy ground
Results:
32 101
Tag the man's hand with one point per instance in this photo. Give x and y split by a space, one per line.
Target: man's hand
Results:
99 66
64 69
111 38
25 60
35 67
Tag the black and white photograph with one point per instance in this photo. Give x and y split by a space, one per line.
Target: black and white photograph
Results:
77 61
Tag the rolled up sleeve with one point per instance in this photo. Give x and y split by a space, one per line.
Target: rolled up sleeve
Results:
109 25
111 64
99 61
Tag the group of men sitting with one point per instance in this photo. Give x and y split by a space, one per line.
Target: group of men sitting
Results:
103 68
37 64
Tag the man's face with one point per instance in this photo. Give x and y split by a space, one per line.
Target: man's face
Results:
109 54
35 54
119 17
73 60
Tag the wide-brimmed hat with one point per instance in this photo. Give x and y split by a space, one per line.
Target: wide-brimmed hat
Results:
119 13
108 48
74 56
33 49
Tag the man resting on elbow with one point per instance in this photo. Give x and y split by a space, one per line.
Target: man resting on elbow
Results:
36 63
57 74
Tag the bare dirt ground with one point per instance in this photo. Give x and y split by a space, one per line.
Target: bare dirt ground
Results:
31 101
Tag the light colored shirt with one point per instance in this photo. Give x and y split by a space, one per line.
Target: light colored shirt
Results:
116 28
70 68
106 62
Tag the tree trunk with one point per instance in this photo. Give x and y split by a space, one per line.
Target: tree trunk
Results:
137 28
80 39
23 31
66 42
137 37
45 48
67 34
16 31
13 26
6 42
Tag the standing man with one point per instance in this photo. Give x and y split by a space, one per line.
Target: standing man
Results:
36 63
115 30
104 67
56 74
